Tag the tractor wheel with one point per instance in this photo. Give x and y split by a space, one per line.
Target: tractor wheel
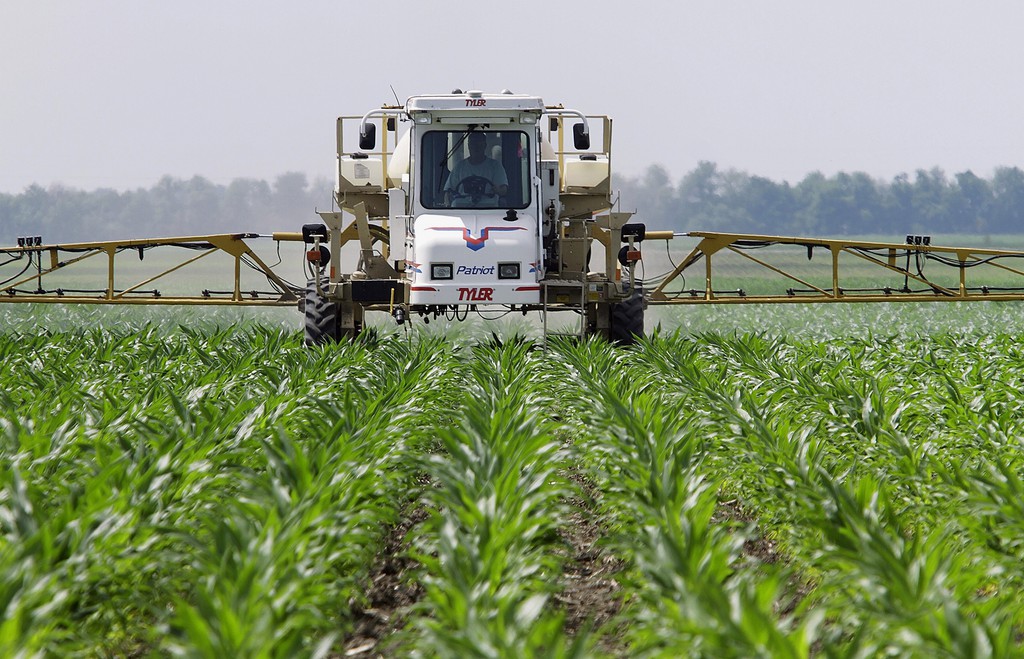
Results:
321 317
627 319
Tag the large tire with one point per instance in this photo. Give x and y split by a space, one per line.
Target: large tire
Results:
321 318
626 324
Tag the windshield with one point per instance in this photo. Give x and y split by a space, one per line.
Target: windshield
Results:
475 169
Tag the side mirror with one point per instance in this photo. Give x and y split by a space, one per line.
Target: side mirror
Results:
580 138
367 136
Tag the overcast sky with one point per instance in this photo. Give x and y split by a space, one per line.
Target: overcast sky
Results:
119 93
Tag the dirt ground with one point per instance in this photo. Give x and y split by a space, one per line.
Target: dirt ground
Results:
589 591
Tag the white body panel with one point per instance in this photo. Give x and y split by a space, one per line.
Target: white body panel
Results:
474 102
474 244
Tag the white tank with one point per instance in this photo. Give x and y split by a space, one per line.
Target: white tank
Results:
363 174
398 163
547 152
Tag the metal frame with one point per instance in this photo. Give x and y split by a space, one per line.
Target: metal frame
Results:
61 256
880 256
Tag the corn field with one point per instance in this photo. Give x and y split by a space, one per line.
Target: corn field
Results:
170 488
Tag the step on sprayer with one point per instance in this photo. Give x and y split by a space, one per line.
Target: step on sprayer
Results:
476 202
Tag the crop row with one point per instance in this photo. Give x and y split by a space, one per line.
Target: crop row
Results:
204 494
226 492
885 478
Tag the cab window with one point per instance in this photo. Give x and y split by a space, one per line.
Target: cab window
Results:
475 169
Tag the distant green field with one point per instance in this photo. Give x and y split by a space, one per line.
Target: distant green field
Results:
757 481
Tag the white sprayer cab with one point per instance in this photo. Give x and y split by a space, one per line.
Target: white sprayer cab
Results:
470 200
476 200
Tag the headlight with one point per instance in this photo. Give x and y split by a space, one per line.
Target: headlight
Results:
441 270
508 271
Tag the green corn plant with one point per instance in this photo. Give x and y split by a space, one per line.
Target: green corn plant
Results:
882 464
690 596
487 560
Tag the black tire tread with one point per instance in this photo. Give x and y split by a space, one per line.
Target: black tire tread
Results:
321 318
626 325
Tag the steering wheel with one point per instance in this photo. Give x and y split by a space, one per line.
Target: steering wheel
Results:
474 187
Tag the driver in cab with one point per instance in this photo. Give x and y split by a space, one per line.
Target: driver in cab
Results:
476 180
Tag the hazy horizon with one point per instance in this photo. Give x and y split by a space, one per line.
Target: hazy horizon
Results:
327 180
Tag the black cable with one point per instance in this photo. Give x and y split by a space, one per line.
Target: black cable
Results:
251 264
971 264
757 244
501 314
23 270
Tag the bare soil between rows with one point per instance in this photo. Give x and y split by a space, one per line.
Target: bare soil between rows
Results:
589 592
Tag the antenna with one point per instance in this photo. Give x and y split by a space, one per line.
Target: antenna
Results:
397 102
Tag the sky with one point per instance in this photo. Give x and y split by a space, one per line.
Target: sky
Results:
118 93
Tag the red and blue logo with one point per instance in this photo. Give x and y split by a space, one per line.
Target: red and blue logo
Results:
477 243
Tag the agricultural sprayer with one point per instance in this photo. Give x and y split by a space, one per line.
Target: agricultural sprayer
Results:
469 202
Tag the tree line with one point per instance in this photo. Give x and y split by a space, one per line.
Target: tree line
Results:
929 202
172 207
706 198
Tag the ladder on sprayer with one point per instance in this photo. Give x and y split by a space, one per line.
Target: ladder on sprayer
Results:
564 295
